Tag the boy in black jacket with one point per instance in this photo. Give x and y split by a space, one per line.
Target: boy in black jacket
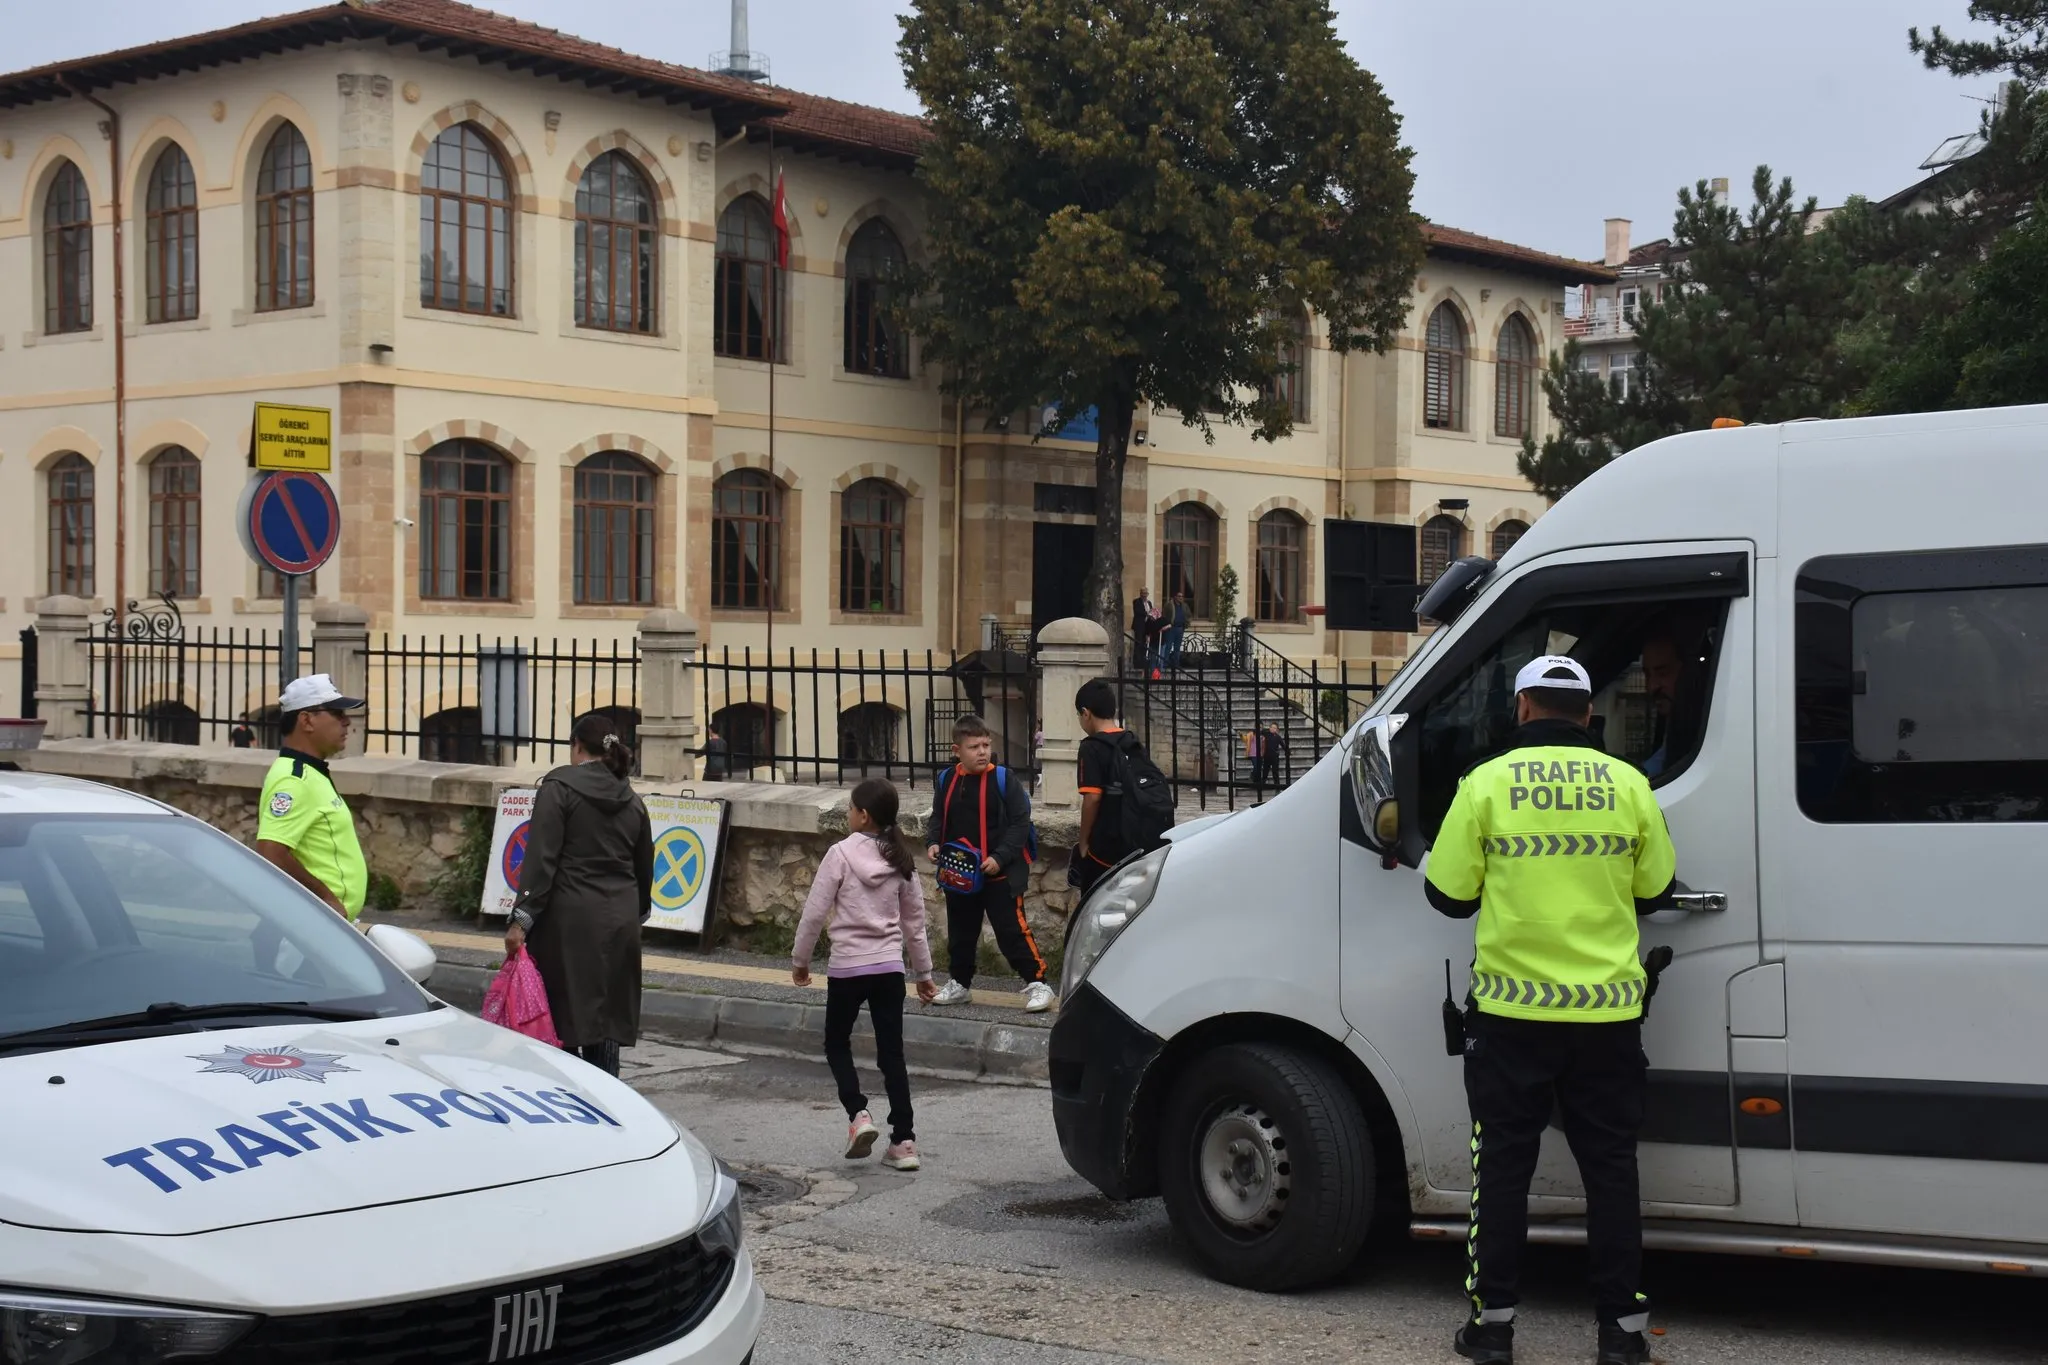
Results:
993 814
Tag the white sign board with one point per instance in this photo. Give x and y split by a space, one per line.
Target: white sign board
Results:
686 848
687 840
508 850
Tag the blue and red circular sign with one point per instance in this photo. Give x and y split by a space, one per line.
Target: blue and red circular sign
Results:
515 855
294 521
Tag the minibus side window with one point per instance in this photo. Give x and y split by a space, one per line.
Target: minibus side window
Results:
1922 687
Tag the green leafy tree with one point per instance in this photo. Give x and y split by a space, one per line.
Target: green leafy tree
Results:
1131 201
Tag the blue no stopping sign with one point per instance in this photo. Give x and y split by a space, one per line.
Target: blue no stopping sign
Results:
294 521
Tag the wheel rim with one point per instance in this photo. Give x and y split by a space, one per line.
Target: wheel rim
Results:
1244 1169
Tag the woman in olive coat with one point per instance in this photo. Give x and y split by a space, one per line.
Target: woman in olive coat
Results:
584 888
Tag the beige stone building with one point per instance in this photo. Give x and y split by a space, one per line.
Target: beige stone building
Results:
531 278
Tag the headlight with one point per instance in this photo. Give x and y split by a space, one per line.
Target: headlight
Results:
49 1329
1112 905
724 1225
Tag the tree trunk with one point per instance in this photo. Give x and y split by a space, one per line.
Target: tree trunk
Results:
1105 594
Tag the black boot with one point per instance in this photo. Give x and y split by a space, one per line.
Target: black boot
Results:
1489 1343
1622 1348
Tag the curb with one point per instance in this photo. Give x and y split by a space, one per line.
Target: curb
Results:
950 1049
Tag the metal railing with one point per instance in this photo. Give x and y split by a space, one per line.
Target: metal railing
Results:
497 700
153 679
837 716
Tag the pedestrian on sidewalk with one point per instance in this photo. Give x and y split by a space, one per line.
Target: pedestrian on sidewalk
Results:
986 809
303 826
585 887
867 892
716 756
1111 759
1176 630
1276 750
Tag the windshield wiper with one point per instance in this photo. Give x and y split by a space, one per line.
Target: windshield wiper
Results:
160 1017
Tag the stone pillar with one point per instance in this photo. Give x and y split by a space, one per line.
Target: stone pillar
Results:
341 650
1070 652
668 697
63 672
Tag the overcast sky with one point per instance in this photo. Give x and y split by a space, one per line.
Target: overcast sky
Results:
1530 121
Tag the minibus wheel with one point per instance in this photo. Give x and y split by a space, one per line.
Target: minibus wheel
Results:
1266 1166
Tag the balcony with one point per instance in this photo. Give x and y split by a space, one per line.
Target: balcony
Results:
1605 324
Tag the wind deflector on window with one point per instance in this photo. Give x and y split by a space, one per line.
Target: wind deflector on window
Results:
1454 589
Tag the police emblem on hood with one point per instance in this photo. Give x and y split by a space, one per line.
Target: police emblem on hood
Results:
261 1064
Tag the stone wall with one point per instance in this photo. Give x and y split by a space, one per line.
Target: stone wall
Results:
412 816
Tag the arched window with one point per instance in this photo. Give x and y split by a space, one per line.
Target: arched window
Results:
614 534
67 253
1505 535
748 730
1290 386
465 523
174 524
744 304
871 517
1442 541
1443 370
284 223
170 722
71 527
465 225
1514 378
1281 537
173 238
746 541
1190 545
617 242
869 735
626 721
874 270
455 735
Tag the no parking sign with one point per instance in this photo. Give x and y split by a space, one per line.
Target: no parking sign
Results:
688 838
508 850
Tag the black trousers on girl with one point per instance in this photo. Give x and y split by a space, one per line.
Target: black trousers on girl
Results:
882 993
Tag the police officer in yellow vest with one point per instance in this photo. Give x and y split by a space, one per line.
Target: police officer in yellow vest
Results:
303 825
1557 848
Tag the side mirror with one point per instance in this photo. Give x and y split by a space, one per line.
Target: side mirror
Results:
1372 782
407 950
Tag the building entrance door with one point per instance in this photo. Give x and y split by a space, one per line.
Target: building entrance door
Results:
1060 555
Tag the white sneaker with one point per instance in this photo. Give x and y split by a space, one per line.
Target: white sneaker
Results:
1037 998
952 993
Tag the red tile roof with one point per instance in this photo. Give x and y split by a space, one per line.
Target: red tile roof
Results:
1461 245
858 131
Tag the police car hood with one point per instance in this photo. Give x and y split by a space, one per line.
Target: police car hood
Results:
195 1132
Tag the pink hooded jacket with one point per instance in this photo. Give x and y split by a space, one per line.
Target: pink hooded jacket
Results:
872 910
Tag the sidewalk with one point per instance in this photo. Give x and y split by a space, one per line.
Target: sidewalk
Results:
746 1002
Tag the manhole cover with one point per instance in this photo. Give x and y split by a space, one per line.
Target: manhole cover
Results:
1086 1208
761 1189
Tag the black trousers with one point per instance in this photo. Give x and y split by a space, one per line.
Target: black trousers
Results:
1004 911
883 995
1516 1072
603 1056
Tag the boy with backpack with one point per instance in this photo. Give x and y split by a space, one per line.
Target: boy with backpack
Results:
981 844
1126 804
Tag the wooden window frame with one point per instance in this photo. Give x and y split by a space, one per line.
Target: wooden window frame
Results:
1451 532
1196 578
171 238
69 493
175 485
734 532
1505 535
284 223
67 253
597 527
1281 554
745 257
1444 355
486 192
485 513
630 275
1291 385
871 583
875 264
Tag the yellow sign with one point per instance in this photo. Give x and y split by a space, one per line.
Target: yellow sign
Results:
294 438
679 867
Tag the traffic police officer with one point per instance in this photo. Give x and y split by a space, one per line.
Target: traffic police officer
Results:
303 826
1557 848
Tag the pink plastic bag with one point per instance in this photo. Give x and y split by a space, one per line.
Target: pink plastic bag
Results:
518 1000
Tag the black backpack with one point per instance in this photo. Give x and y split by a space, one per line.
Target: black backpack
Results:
1147 800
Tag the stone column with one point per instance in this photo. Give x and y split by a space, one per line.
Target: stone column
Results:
63 672
341 650
668 698
1070 652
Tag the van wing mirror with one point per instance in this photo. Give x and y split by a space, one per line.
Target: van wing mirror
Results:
1372 782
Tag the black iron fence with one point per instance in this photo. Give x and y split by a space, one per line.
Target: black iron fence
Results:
151 678
499 700
837 716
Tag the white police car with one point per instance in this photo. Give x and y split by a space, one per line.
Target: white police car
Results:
236 1132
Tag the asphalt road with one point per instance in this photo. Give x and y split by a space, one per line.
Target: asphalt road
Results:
995 1252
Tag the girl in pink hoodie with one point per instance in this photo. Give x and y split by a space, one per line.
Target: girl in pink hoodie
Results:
867 893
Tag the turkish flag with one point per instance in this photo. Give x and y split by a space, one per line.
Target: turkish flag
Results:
781 225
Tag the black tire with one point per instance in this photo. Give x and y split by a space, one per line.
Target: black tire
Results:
1287 1138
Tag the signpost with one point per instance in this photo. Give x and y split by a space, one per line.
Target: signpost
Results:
288 437
291 522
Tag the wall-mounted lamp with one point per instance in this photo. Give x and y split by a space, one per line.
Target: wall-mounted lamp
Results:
1140 436
1453 504
380 348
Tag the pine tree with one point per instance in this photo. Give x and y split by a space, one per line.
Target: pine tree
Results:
1132 201
2020 47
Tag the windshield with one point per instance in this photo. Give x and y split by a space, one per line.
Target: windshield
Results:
104 916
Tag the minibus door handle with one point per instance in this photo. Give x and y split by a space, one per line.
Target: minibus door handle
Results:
1698 902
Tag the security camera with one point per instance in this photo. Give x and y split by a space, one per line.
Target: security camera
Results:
404 523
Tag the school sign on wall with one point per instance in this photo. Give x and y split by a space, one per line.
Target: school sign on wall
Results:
688 838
